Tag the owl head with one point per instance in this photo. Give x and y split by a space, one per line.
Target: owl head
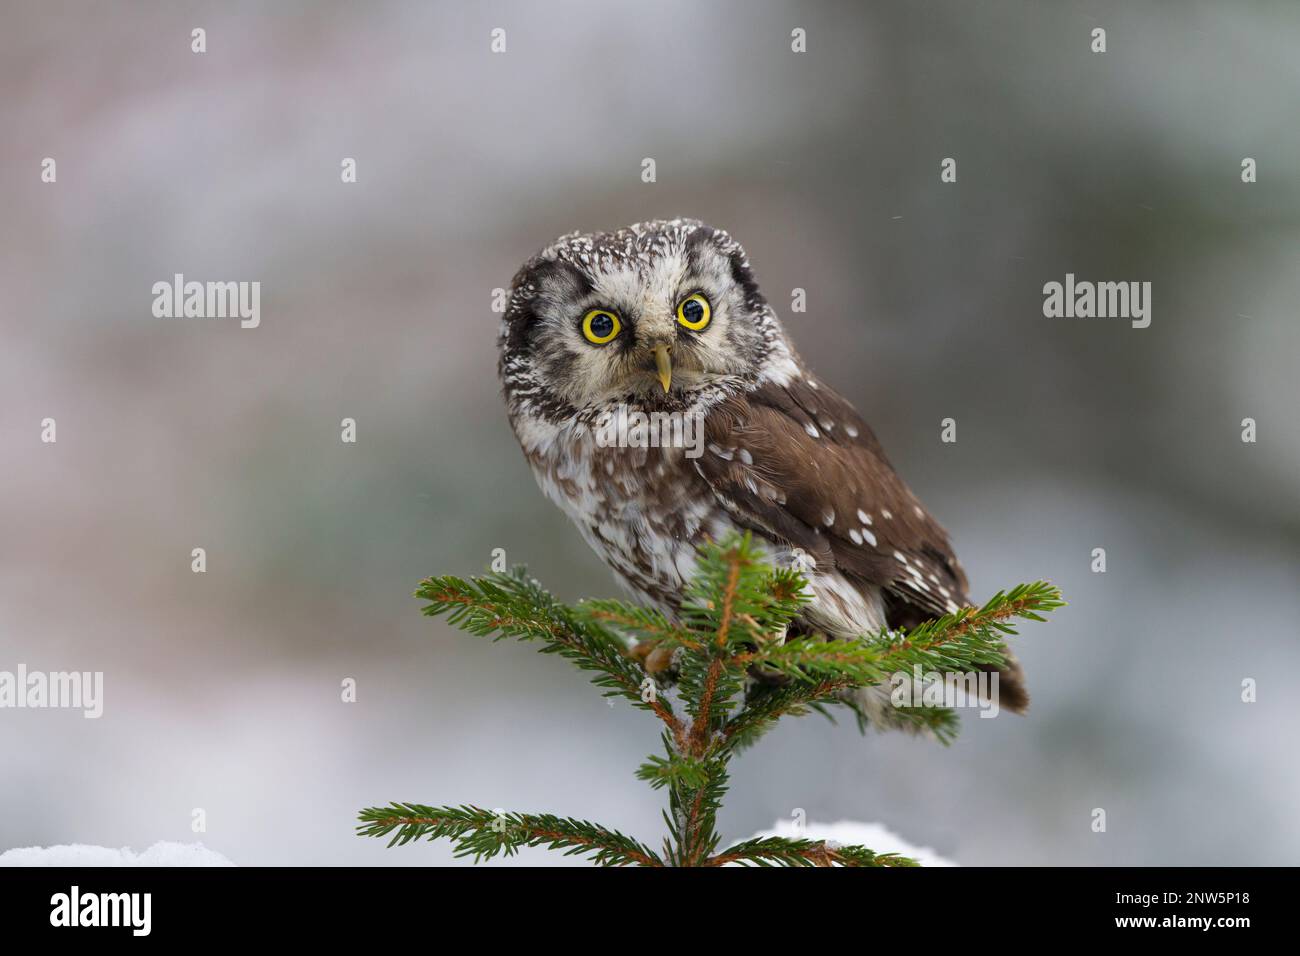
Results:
648 315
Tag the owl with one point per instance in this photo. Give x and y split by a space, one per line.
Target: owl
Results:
664 319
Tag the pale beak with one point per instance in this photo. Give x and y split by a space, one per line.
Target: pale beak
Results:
665 365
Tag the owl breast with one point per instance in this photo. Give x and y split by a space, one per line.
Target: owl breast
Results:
645 511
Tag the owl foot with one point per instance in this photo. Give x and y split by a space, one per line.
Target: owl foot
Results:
654 659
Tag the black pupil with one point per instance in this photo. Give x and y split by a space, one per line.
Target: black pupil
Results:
601 325
693 311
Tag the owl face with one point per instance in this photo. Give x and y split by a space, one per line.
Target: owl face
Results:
646 314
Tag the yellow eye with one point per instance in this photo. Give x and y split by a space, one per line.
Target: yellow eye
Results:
600 326
694 312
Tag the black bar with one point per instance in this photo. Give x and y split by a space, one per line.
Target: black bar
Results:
302 905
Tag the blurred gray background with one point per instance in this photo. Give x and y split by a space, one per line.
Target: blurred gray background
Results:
924 302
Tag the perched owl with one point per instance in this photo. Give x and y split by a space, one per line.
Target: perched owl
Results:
666 317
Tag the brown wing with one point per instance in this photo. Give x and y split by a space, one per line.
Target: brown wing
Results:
798 463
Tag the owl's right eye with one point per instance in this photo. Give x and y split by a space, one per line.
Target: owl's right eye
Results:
600 326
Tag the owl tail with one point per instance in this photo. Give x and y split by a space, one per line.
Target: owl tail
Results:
882 710
1013 695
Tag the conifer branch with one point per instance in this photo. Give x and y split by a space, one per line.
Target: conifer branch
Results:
792 700
637 622
676 769
726 645
483 833
725 601
781 851
513 605
694 812
967 639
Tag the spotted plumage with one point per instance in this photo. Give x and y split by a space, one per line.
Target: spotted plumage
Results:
779 453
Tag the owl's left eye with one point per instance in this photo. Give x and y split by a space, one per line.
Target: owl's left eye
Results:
694 312
600 326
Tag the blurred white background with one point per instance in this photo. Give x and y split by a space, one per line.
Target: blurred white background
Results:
925 301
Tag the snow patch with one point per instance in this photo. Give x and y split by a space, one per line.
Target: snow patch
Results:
874 836
79 854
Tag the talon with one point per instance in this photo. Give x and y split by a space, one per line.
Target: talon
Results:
658 660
